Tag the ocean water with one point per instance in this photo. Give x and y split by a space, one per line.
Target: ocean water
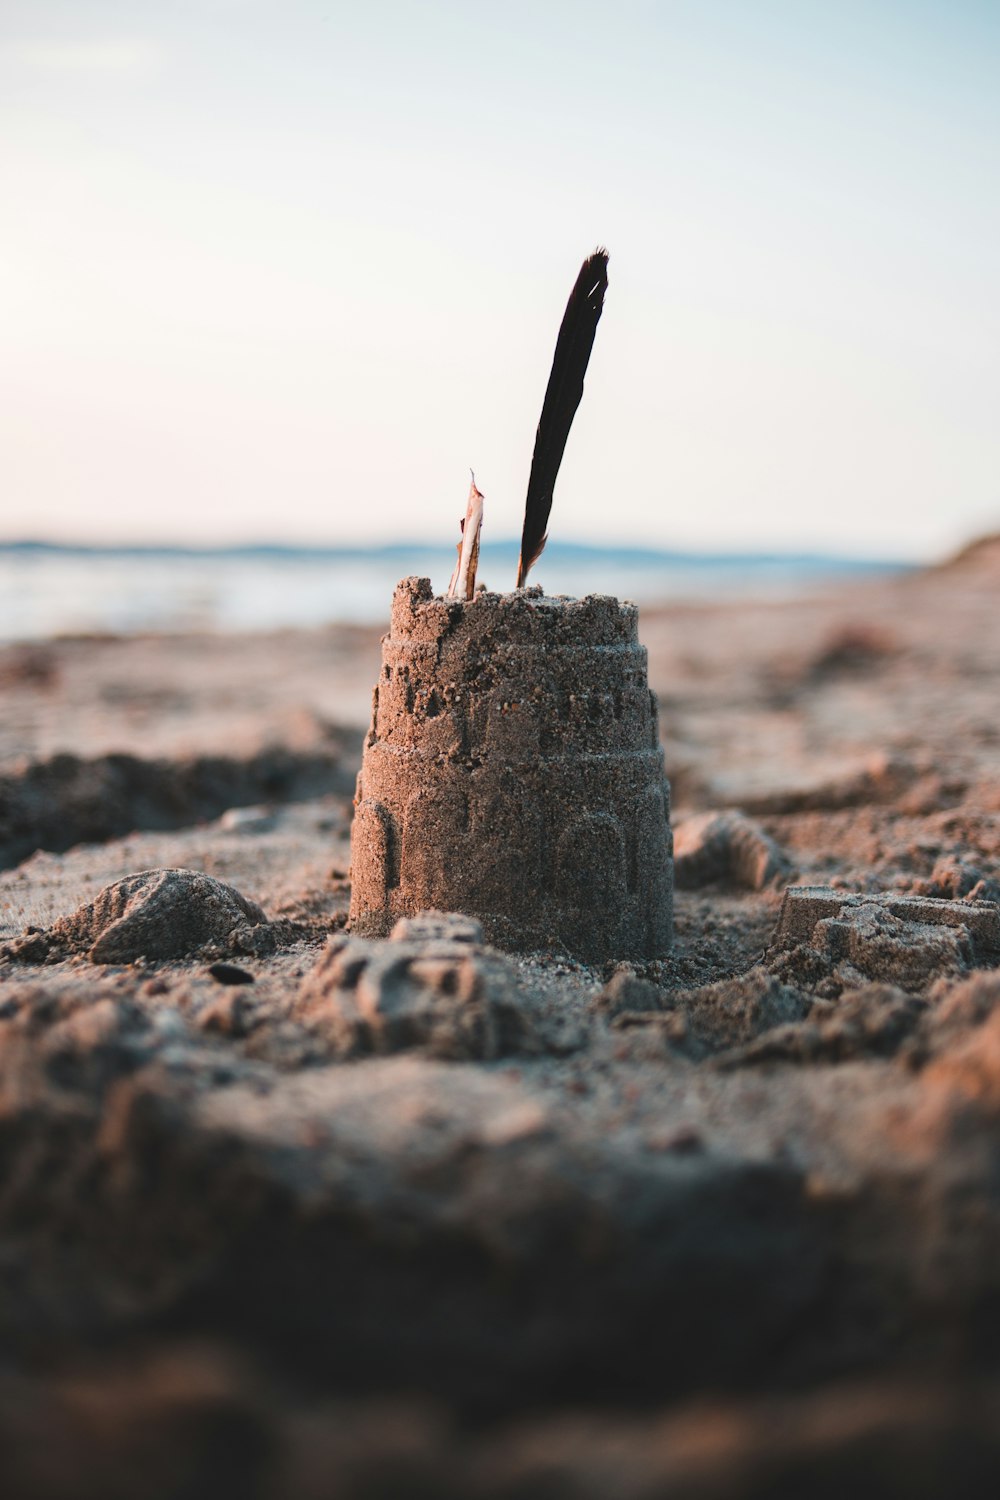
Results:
48 590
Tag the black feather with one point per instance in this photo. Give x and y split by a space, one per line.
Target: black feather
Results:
562 397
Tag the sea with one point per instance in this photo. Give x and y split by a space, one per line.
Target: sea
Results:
49 589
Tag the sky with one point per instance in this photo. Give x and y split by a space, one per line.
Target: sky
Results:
284 270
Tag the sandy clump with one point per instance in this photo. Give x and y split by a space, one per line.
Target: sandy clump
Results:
154 914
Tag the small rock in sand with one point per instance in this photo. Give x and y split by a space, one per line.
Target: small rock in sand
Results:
230 974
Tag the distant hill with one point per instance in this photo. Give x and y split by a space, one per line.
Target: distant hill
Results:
980 557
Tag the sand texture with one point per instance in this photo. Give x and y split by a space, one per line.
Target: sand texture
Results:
513 771
290 1210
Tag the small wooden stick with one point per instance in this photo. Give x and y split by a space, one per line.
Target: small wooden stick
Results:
463 580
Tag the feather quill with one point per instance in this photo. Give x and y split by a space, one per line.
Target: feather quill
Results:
562 397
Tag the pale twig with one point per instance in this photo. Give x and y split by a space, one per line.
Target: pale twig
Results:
463 580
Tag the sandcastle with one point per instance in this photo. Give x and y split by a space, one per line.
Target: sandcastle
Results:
513 772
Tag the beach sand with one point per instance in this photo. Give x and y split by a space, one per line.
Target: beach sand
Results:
287 1213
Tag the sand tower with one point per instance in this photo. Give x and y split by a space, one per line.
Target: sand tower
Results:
513 772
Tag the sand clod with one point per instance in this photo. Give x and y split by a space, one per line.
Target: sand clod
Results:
729 847
433 985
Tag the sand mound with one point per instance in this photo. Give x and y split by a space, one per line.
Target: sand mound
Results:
155 914
727 847
66 799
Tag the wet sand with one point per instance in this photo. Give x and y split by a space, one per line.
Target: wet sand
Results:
422 1214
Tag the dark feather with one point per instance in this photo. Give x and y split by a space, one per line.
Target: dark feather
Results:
562 397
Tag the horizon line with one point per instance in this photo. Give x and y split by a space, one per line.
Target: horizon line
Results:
507 545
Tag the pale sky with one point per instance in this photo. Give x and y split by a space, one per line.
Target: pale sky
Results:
283 270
